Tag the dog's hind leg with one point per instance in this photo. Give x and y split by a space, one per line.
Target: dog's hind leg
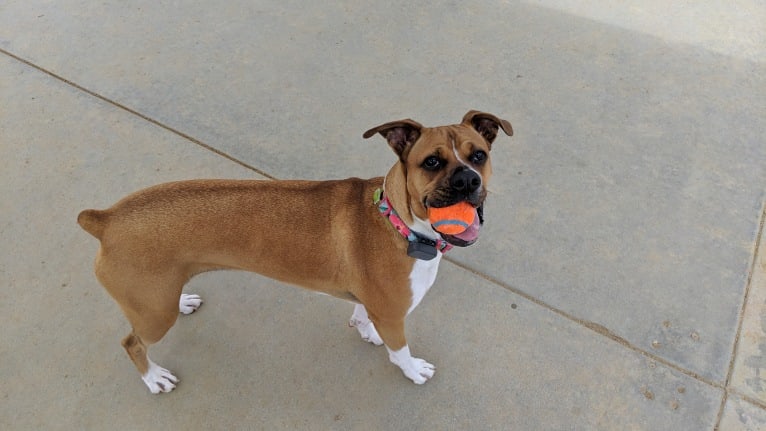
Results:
149 326
156 378
151 301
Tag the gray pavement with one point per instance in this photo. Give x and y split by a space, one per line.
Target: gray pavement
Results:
620 283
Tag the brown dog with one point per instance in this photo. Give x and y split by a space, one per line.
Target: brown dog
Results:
328 236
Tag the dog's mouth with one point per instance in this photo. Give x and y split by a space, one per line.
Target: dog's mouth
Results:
471 234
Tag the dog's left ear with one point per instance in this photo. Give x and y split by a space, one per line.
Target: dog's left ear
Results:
487 124
399 134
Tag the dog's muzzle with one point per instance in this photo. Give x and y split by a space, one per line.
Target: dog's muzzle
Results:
465 185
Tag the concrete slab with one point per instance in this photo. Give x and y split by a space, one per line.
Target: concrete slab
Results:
629 200
260 355
739 415
632 187
749 376
730 29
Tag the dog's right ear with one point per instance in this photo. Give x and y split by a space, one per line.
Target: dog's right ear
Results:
399 134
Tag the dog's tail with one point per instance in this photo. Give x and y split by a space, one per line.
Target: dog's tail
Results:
93 221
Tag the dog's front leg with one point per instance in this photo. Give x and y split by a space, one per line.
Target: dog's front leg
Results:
392 333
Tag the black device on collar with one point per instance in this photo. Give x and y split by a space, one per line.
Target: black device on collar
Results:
422 248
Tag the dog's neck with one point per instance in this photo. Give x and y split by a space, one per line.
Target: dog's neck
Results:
424 241
395 183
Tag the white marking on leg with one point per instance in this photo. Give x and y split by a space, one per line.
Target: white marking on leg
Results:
422 278
416 369
188 304
366 328
159 379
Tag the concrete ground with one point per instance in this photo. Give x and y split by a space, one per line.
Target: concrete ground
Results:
618 284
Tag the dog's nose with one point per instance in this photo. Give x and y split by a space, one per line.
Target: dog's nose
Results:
465 180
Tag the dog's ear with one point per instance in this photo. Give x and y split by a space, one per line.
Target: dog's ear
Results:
399 134
487 124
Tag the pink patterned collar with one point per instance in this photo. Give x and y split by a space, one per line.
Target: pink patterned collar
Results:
420 246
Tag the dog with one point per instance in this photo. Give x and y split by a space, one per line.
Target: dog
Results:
367 241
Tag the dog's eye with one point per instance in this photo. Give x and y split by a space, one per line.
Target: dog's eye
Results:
478 157
432 163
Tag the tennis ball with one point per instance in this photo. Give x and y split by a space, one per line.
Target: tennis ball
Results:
453 219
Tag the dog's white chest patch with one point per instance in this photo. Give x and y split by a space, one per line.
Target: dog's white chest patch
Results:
421 278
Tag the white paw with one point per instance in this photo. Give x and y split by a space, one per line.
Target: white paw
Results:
416 369
189 303
367 331
361 321
159 379
419 371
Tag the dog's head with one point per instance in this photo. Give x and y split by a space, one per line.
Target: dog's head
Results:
443 165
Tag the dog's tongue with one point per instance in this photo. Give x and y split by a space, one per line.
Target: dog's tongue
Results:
470 234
